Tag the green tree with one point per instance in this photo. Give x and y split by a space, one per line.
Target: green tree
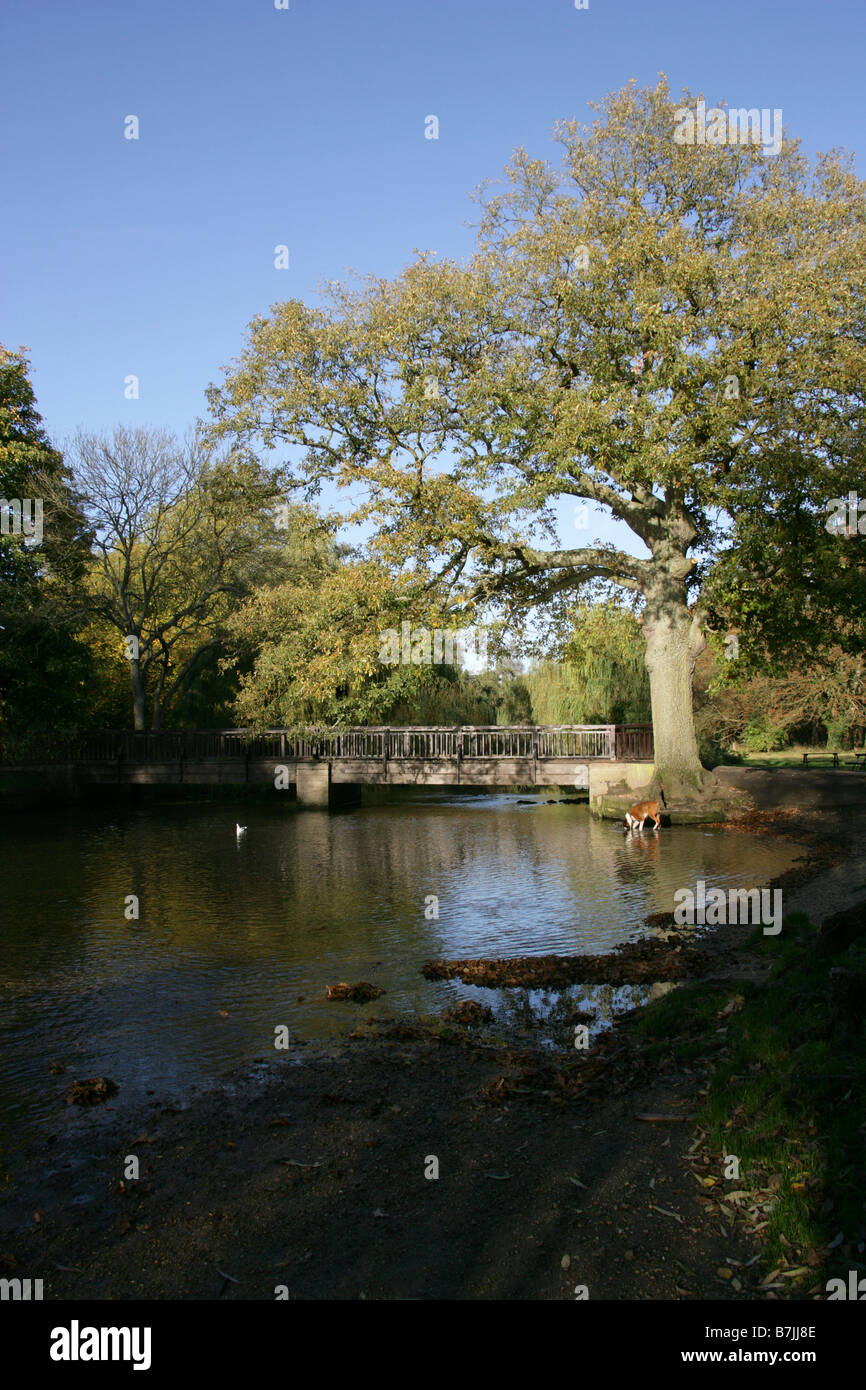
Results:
787 601
601 676
792 591
665 330
180 536
764 711
45 669
320 647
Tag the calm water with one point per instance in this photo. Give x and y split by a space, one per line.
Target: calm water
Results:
255 928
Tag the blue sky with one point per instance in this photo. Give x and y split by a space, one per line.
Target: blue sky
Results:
305 127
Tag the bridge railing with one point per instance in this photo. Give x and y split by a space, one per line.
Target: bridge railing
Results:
634 743
578 742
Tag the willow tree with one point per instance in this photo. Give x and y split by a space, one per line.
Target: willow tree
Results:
664 329
601 675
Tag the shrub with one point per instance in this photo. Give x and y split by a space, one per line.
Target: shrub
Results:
762 736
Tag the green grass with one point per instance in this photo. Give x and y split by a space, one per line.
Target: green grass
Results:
793 757
786 1094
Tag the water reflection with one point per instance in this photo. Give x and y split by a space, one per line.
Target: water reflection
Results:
238 934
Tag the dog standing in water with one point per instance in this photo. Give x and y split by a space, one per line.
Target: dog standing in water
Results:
636 815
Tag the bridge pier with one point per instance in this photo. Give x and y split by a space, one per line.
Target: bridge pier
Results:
606 777
314 785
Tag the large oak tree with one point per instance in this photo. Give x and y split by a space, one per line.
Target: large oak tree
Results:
670 331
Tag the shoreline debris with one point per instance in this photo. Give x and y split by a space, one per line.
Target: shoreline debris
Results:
360 993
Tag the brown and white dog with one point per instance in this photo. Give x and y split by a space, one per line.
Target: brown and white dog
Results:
644 810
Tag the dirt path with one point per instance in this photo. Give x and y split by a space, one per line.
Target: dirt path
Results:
521 1186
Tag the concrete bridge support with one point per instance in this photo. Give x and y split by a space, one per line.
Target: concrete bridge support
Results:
606 778
314 785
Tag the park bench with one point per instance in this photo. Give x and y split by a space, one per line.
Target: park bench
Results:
856 760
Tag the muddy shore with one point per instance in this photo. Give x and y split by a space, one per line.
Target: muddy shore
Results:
314 1179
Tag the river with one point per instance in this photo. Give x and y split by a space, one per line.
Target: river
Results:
237 935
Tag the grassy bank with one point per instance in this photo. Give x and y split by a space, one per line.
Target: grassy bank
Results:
785 1097
793 757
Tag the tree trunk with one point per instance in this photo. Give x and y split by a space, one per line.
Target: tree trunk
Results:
138 703
674 640
156 722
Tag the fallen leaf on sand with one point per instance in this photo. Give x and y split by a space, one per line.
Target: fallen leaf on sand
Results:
664 1212
664 1119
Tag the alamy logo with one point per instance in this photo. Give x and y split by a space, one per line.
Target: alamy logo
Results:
714 907
737 126
75 1343
421 647
17 517
19 1290
856 1288
847 517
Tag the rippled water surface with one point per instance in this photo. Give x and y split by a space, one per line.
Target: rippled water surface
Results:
254 928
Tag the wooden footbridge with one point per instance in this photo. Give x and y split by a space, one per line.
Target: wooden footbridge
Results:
315 761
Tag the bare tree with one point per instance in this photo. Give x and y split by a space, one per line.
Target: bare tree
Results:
173 526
